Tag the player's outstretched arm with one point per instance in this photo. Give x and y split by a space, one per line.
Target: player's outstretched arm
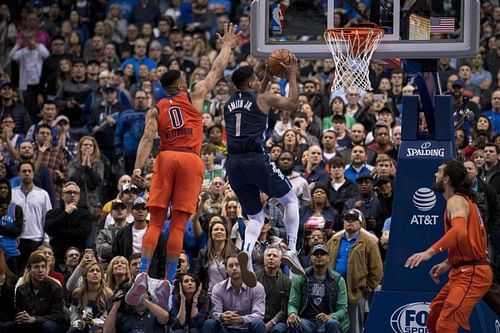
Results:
146 144
229 40
267 100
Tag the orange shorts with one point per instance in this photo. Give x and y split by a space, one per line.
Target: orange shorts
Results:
177 179
454 303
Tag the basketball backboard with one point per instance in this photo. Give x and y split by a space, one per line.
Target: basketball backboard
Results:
413 28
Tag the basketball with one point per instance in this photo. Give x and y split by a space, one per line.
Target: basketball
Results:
277 61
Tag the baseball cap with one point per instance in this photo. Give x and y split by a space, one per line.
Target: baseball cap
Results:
59 119
382 180
381 124
5 84
355 215
364 176
140 201
320 247
109 87
385 110
458 83
117 204
130 187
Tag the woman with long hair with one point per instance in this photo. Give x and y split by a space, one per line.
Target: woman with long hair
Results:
87 170
118 273
88 310
482 133
290 142
210 266
189 305
74 48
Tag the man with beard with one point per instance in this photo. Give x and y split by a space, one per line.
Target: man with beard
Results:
316 99
358 165
310 307
236 307
466 241
357 136
299 183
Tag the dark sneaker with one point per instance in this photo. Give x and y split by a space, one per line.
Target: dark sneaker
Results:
247 276
162 294
135 294
291 259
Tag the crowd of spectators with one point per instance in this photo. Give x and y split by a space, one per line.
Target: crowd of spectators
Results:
76 79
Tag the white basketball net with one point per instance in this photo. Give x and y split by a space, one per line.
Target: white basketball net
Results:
352 50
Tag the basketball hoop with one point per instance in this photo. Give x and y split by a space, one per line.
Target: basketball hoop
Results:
352 49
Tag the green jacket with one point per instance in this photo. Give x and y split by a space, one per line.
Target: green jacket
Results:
299 295
277 294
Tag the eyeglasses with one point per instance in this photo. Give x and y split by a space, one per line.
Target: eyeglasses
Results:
71 192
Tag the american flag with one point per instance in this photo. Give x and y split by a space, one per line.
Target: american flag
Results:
442 24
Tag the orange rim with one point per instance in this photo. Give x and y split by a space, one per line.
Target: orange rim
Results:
353 31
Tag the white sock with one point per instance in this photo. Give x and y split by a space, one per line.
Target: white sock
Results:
291 204
252 233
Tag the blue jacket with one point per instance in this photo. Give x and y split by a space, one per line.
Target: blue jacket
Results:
128 132
11 227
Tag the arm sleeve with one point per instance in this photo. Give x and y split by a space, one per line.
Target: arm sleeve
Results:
16 229
294 300
456 234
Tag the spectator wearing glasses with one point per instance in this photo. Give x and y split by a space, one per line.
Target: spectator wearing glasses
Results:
69 225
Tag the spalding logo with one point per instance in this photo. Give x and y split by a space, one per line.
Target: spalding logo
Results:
425 145
410 318
424 199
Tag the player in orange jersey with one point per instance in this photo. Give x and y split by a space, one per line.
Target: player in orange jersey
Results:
465 239
178 169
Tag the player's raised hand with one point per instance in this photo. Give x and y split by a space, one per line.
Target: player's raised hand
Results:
293 67
230 36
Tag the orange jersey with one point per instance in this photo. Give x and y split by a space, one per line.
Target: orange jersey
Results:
179 123
474 246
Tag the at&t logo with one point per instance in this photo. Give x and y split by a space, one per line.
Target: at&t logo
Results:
410 318
424 199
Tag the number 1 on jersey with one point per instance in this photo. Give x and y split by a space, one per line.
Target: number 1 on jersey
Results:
238 124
